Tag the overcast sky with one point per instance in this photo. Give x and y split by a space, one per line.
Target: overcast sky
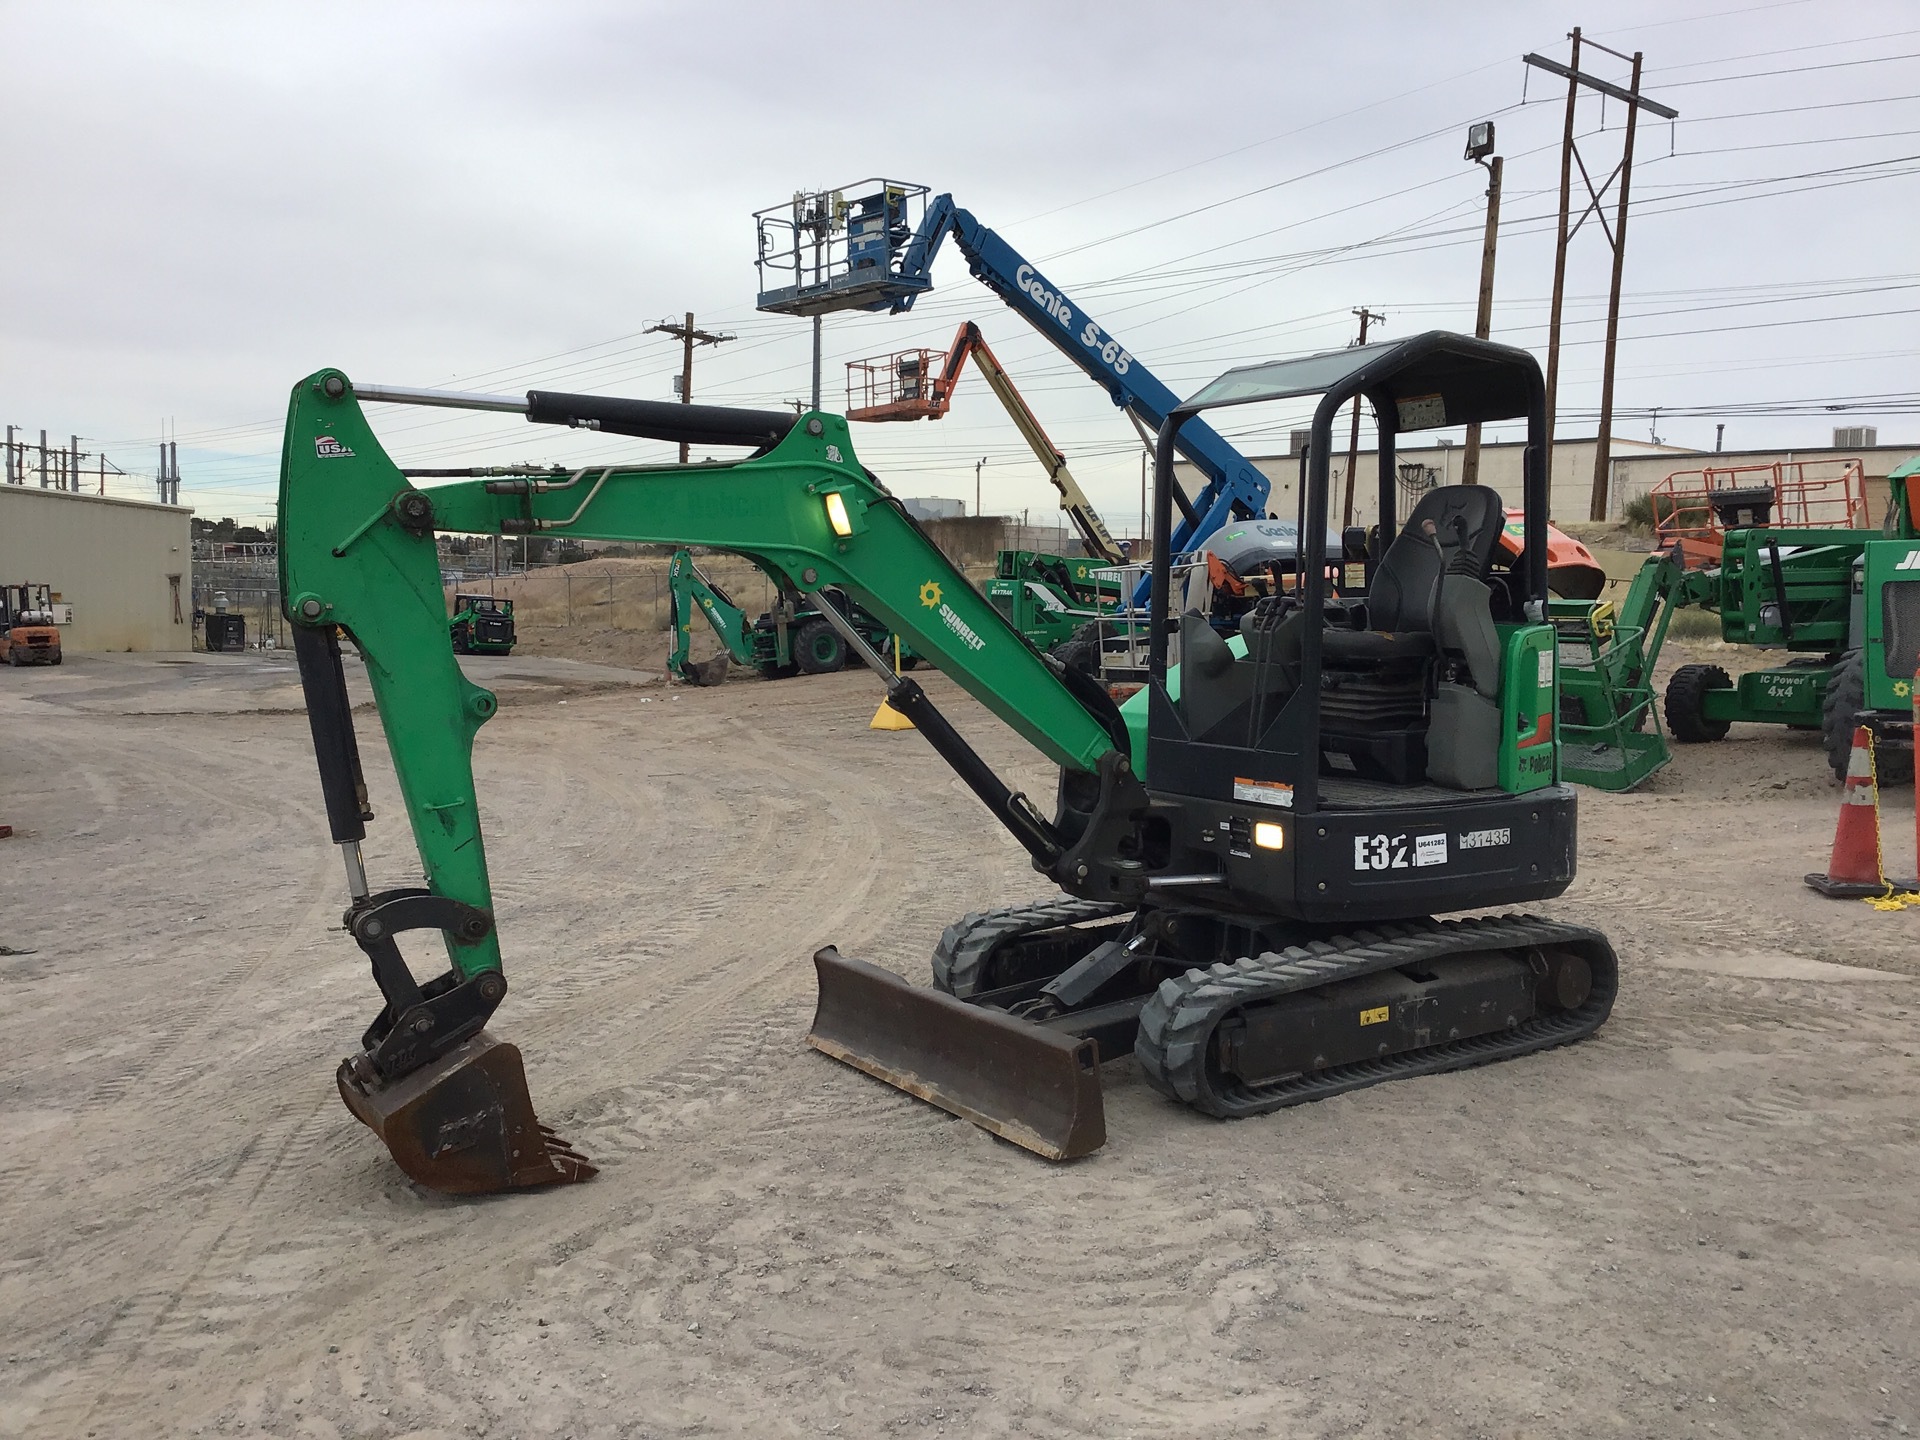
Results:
206 202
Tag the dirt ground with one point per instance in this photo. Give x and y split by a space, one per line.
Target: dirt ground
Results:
1702 1221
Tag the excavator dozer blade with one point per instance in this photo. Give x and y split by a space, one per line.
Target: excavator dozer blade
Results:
1025 1083
464 1124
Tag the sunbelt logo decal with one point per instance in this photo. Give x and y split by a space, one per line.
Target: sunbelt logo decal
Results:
1912 562
931 597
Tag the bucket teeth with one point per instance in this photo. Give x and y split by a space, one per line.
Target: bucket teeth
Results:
464 1123
563 1157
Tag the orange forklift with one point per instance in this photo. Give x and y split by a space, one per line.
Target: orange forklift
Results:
31 637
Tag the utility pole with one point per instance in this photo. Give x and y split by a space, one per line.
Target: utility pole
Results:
818 322
1616 238
1560 255
1603 446
688 338
1353 438
1143 494
978 466
1480 151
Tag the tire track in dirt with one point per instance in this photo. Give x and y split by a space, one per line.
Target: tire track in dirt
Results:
713 975
120 1346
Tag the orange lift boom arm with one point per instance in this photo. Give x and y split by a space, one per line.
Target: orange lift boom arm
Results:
915 396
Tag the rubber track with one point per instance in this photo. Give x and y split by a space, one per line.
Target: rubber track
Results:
961 956
1173 1047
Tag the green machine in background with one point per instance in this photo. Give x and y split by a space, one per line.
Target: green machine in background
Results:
482 625
793 638
1048 598
1843 603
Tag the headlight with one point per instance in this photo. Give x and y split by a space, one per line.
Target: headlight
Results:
837 514
1269 836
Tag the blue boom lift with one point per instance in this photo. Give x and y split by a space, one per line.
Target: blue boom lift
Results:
870 254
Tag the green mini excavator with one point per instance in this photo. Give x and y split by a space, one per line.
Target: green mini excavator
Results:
1250 859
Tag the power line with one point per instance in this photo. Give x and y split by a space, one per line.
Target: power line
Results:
1789 50
1795 70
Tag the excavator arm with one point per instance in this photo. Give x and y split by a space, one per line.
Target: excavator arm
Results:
358 559
690 591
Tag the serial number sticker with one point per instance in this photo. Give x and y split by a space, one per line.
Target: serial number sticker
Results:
1263 792
1430 850
1486 839
1375 1016
1546 669
1423 412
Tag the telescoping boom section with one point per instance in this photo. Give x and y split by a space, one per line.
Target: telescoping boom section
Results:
905 386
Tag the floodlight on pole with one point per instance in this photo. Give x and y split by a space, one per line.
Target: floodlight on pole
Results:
1480 152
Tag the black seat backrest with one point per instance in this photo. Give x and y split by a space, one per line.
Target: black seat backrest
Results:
1468 519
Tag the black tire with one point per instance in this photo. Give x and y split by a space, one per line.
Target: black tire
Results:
1686 698
909 663
460 646
1081 650
58 658
1840 715
818 648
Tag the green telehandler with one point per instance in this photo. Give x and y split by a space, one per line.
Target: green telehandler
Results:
1251 860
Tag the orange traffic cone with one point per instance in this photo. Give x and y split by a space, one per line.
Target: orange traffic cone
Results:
1853 871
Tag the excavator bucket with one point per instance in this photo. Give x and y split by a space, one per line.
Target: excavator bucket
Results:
464 1124
1025 1083
707 672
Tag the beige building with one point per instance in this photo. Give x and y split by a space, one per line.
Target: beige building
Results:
126 567
1635 467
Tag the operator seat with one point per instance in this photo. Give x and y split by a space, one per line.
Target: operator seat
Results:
1411 687
1403 593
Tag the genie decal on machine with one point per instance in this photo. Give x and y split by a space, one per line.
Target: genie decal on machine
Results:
1091 335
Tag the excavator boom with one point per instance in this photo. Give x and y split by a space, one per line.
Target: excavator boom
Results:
358 559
